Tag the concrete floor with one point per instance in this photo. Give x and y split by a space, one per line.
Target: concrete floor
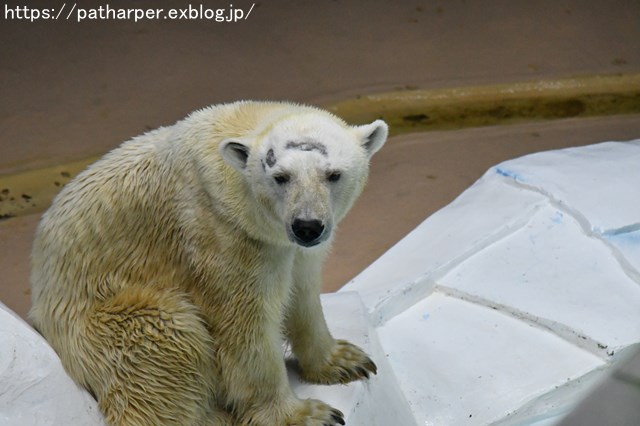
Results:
70 90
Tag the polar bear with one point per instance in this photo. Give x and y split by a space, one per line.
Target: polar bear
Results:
169 273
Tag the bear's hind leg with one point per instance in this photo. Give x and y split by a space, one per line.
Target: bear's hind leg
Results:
151 361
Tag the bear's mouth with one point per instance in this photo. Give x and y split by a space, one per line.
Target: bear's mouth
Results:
307 233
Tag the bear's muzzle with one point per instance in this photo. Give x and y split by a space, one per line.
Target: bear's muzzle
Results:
307 233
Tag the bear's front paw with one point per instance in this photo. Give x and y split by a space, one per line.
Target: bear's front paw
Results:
315 413
308 412
346 363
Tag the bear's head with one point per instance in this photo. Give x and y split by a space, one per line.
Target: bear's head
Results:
305 171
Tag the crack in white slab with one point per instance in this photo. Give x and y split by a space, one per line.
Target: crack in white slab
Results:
403 296
623 230
464 349
584 224
569 334
559 400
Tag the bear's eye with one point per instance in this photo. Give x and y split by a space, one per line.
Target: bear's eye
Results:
281 178
333 176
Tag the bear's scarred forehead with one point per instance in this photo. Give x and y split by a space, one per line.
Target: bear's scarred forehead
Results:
305 145
308 145
271 158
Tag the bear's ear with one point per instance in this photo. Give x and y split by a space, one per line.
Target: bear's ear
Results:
372 136
235 153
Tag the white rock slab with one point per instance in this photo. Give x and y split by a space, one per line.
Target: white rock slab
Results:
483 214
34 388
552 274
599 182
550 240
459 363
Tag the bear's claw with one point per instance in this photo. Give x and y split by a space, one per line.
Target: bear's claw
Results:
346 364
337 416
371 366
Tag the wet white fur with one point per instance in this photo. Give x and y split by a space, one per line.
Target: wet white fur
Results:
166 278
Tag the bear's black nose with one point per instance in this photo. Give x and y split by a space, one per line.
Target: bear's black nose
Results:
307 232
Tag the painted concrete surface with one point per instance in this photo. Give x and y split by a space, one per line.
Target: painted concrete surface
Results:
551 274
504 308
509 305
461 363
34 388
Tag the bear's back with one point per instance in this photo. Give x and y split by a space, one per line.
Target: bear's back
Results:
109 219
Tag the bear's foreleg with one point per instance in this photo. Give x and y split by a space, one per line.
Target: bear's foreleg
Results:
322 359
252 368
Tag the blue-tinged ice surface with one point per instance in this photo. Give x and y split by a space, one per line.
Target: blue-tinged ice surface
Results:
627 242
629 239
503 308
502 171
